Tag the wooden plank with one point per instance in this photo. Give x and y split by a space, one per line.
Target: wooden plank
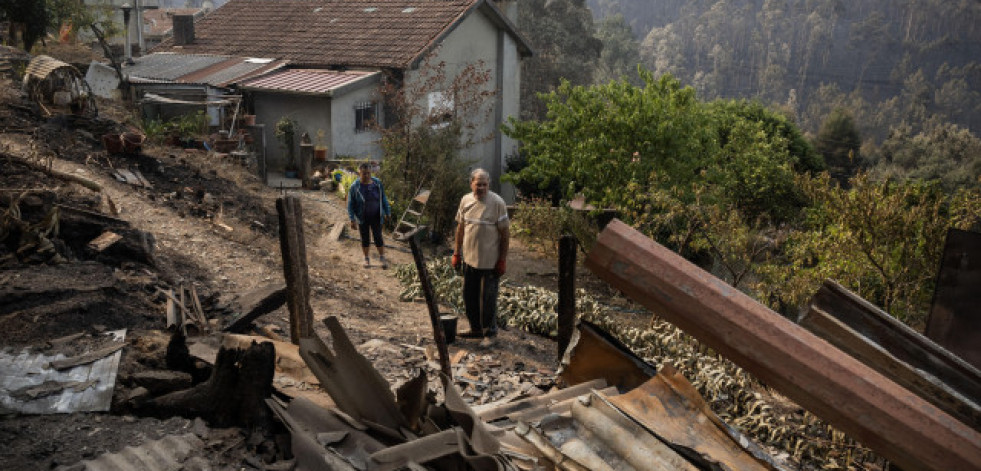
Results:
257 303
336 231
926 386
87 357
566 308
143 181
293 249
104 241
870 408
898 339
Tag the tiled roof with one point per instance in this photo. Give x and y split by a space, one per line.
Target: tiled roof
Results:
318 33
307 80
218 71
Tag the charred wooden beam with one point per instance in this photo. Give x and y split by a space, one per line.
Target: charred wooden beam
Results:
566 308
427 290
295 267
899 340
872 409
924 384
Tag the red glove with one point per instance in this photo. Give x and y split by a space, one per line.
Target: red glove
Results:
501 267
456 261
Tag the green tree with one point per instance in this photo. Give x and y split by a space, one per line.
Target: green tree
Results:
620 56
598 139
30 17
946 153
838 142
563 36
881 239
431 118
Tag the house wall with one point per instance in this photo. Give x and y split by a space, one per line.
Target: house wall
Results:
346 143
310 113
476 38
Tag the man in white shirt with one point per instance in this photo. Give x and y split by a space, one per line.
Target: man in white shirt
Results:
481 248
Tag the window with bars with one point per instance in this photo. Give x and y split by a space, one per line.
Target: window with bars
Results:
364 116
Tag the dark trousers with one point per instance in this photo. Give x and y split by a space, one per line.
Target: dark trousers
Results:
480 299
375 228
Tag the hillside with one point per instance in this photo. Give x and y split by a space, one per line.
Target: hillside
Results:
887 62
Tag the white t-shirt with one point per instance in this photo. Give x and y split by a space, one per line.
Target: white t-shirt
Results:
483 221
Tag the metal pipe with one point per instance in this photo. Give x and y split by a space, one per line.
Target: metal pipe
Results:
126 7
869 407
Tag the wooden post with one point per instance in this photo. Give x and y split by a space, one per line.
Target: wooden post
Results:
858 400
566 308
294 251
427 290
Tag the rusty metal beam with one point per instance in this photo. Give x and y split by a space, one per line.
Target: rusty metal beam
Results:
866 405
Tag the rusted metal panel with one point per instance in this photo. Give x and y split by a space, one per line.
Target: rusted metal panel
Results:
32 383
955 316
672 409
926 386
872 409
352 382
593 354
904 343
165 454
627 438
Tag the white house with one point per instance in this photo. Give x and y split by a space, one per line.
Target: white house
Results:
338 51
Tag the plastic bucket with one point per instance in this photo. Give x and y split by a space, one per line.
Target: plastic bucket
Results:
448 323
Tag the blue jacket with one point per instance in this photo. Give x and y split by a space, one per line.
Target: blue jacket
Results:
355 202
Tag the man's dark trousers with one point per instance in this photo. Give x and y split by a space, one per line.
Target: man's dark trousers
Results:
480 299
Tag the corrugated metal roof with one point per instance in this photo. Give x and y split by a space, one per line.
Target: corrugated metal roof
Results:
308 80
86 387
41 66
213 70
232 71
169 67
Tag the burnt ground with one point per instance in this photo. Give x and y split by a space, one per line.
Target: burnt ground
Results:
211 224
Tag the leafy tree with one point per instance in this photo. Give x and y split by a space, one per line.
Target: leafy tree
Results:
599 139
881 239
423 144
30 17
947 153
620 56
838 142
563 36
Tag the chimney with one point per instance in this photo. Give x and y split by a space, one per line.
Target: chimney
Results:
183 30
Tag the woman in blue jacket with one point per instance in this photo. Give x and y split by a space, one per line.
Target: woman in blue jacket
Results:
367 207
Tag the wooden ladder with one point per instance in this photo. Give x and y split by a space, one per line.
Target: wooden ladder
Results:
412 215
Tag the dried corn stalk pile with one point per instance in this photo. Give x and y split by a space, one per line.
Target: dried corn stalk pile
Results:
738 398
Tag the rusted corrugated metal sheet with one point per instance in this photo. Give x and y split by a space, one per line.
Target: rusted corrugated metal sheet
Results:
308 81
165 454
955 316
874 410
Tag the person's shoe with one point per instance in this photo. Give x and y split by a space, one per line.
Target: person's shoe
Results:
384 263
367 262
487 342
471 335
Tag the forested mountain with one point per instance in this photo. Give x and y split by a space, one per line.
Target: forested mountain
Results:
887 62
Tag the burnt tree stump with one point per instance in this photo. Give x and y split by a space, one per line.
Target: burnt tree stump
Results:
234 395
